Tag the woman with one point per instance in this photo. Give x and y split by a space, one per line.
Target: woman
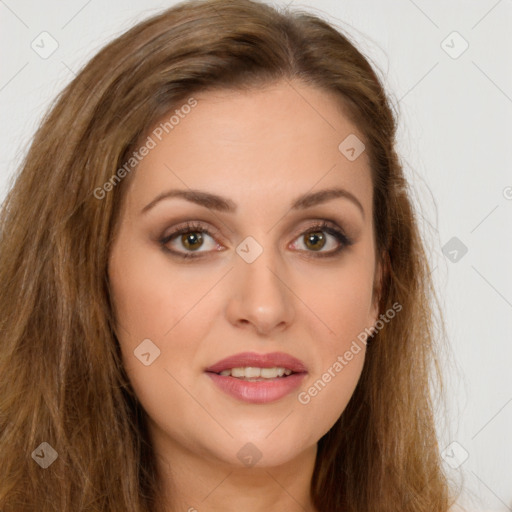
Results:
214 295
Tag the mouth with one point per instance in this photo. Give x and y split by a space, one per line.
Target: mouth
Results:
254 374
257 362
258 378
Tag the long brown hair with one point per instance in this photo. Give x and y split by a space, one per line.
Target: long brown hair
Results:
61 377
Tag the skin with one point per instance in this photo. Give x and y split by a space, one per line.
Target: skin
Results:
260 149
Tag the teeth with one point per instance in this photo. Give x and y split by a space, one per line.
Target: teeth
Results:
251 372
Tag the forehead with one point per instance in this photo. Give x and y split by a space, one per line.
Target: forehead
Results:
282 140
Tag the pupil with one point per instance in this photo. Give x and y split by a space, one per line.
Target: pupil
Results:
315 237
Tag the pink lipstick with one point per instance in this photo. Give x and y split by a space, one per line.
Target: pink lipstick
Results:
258 378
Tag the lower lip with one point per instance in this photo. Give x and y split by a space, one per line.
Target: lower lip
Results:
257 392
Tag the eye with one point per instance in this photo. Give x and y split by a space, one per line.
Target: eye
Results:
315 239
190 237
186 241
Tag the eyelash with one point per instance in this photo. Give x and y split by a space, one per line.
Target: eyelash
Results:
192 227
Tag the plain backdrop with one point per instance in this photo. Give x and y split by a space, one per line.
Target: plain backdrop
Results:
447 68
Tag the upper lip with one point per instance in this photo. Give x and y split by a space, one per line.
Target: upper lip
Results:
270 360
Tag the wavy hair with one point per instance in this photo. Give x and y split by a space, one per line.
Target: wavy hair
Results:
61 377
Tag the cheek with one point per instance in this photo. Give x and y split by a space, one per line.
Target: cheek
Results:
343 306
340 359
325 396
155 301
342 301
149 299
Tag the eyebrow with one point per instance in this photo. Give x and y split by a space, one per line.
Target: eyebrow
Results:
222 204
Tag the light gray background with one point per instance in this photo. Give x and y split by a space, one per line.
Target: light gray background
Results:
455 140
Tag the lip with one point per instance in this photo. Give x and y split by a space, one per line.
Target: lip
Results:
258 392
253 359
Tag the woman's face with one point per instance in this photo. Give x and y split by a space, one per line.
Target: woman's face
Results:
261 278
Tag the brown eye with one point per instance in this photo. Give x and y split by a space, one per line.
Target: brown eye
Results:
315 240
192 240
325 239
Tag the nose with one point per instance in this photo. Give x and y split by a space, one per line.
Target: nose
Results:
261 298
